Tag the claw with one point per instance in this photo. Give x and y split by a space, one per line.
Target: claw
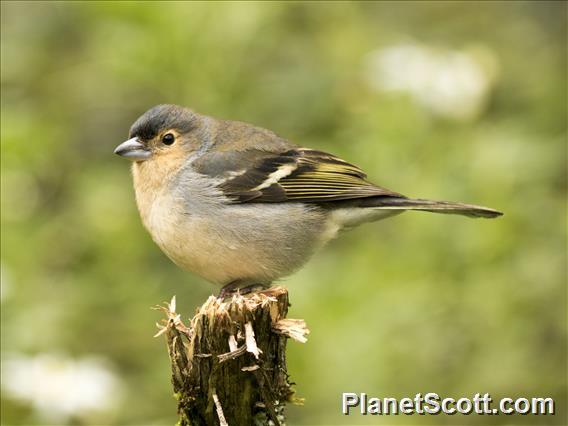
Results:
233 288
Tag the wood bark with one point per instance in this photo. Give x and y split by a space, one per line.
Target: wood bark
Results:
229 364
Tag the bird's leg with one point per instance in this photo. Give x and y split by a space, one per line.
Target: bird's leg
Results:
228 289
233 287
252 288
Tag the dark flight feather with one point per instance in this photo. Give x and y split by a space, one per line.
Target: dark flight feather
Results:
309 176
299 175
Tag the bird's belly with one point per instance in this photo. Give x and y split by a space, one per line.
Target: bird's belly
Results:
238 242
198 246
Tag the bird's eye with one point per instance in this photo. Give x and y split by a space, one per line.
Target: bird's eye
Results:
168 139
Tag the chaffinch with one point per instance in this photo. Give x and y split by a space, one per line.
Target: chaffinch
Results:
241 206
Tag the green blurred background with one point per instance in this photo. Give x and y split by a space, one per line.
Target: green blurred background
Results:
462 101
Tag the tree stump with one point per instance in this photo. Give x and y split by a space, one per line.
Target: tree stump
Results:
229 365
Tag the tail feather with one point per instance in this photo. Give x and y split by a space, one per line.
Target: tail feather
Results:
448 207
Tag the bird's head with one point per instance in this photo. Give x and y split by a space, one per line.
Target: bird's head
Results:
164 131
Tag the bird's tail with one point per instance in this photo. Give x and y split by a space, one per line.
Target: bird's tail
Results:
396 203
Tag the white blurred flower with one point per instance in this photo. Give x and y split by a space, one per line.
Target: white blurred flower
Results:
59 387
450 83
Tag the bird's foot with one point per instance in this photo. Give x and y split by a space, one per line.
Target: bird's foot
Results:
234 288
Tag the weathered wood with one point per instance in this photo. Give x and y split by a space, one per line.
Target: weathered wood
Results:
229 365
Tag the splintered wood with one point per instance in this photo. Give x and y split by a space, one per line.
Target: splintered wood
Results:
229 365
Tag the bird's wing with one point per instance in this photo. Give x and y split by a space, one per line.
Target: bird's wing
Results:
295 175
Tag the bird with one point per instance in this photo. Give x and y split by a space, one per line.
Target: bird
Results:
242 207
